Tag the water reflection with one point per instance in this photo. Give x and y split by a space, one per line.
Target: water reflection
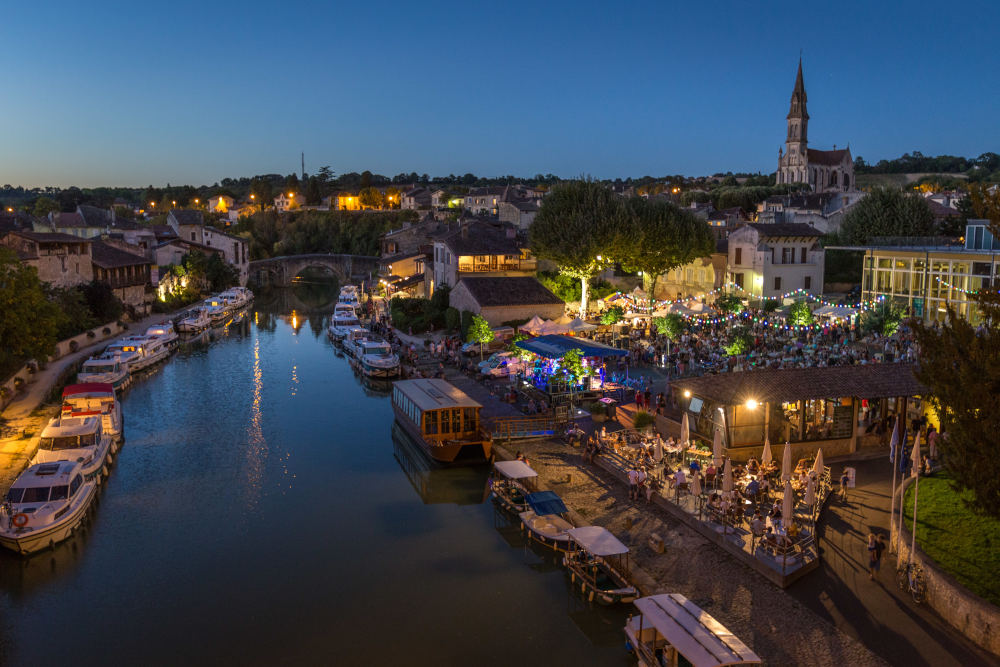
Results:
256 443
458 486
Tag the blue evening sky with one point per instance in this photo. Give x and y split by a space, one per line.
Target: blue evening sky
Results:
133 93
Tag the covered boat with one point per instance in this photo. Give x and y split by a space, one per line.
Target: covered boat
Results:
442 419
377 360
78 439
95 399
672 630
343 321
598 562
47 502
164 331
195 320
513 481
105 369
545 521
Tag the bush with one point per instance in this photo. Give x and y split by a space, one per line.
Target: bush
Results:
612 315
467 316
452 319
643 419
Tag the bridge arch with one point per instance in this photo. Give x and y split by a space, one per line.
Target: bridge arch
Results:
279 271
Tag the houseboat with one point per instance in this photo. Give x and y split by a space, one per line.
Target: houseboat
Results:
546 521
95 400
343 321
47 502
105 369
377 360
349 295
78 439
441 419
511 484
138 352
353 341
218 309
194 321
671 630
165 333
238 296
598 563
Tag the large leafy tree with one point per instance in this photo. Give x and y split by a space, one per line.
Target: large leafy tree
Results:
371 198
883 318
887 212
659 237
576 228
480 332
29 322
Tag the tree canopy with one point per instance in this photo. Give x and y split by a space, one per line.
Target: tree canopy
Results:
887 212
29 321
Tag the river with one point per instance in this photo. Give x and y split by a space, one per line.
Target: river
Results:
260 511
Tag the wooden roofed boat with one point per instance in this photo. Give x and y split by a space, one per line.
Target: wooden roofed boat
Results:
442 419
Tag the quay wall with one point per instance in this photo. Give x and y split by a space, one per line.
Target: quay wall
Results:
968 613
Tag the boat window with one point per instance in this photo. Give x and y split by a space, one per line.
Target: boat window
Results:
35 494
446 421
456 420
59 493
55 444
431 422
75 484
88 440
471 420
14 495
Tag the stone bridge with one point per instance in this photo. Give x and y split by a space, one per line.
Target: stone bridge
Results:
279 271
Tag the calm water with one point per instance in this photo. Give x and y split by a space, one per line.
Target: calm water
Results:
261 511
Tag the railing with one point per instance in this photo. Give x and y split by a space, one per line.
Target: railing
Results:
518 428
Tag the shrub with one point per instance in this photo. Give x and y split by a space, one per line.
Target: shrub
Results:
452 319
612 315
467 316
644 419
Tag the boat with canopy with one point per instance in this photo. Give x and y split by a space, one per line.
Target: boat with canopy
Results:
442 419
545 521
598 562
513 481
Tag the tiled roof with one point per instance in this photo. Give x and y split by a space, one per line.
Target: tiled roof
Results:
63 219
941 211
95 217
828 158
775 229
508 291
482 239
50 237
110 257
793 384
187 216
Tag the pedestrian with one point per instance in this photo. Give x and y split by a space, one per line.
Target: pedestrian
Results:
633 483
872 556
638 399
844 479
879 550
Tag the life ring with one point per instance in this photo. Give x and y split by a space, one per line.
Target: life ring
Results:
20 520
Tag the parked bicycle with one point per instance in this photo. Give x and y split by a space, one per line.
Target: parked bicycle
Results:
911 579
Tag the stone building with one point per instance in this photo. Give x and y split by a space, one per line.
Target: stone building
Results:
479 248
768 260
190 225
824 171
127 273
501 299
61 260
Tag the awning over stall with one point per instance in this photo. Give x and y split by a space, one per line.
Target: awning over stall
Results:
555 346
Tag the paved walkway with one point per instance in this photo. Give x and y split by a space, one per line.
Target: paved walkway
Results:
876 612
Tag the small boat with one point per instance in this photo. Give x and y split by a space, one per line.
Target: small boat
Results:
352 342
105 369
513 481
343 321
546 522
441 419
95 400
78 439
164 331
349 295
672 630
138 352
194 321
598 562
237 296
377 359
47 502
218 309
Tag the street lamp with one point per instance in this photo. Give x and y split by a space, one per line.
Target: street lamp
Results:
751 404
197 201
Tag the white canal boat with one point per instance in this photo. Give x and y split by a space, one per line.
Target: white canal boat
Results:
343 321
79 440
194 321
217 308
95 400
349 295
138 352
105 369
377 360
47 502
237 296
598 563
165 332
513 481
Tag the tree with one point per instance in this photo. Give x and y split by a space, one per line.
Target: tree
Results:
883 318
262 190
480 332
659 236
292 183
392 196
612 315
371 198
44 206
800 314
739 343
887 212
729 303
670 326
572 365
29 322
575 229
520 352
982 202
313 195
325 175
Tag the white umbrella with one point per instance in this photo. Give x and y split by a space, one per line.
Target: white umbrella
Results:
766 457
658 451
810 498
717 448
727 477
787 505
915 470
695 485
818 467
685 430
786 463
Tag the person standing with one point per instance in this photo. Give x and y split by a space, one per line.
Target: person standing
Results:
844 479
879 550
872 556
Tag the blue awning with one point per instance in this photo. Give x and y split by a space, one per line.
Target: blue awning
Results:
554 346
546 502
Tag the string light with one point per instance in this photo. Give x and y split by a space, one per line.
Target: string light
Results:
970 292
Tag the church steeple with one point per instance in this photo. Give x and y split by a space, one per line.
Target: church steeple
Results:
798 117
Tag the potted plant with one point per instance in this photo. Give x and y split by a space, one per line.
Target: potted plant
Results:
598 412
644 421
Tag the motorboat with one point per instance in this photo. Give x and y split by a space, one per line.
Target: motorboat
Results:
78 439
194 321
442 419
598 562
670 630
349 295
105 369
95 400
47 502
344 319
511 484
377 359
238 296
353 340
218 309
546 521
165 332
138 352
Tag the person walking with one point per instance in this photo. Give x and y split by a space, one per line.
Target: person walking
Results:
872 556
879 550
844 479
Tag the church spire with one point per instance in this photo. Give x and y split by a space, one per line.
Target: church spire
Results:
798 118
798 105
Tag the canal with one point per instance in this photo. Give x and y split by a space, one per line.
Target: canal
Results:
261 511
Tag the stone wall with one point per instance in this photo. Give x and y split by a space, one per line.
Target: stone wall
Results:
968 613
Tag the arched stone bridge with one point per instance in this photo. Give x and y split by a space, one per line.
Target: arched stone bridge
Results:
279 271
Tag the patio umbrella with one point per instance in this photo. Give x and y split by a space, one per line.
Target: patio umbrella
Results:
685 430
787 505
658 451
766 457
727 477
717 448
810 498
818 467
695 485
786 463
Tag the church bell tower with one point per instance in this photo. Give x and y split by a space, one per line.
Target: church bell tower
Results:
798 120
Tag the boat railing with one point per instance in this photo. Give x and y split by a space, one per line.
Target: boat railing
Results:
519 428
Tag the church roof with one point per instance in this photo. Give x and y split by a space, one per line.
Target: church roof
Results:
828 158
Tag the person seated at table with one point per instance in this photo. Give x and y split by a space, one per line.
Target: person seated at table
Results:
776 513
714 501
771 540
752 466
710 472
757 523
765 486
752 489
532 408
694 466
679 477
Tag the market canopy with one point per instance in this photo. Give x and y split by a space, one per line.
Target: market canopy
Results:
835 311
597 541
556 346
701 639
515 469
546 502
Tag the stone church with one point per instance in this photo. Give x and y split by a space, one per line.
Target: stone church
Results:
824 171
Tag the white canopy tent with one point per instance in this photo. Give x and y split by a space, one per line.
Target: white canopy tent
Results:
579 326
533 325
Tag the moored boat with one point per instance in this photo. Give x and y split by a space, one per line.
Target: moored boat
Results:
95 400
377 359
78 439
138 352
546 522
598 563
217 308
105 369
442 419
349 295
343 321
511 484
237 296
194 321
165 333
47 502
